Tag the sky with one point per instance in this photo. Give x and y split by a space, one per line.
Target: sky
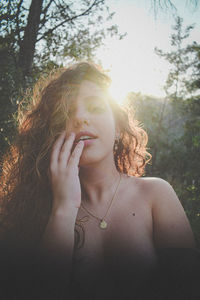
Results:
132 61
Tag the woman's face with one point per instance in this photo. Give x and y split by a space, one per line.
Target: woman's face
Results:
91 112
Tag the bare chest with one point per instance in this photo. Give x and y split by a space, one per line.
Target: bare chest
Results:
128 238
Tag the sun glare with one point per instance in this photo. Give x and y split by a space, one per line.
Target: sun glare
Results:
133 64
118 92
121 85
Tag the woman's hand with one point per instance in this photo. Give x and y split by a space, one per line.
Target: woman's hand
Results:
64 174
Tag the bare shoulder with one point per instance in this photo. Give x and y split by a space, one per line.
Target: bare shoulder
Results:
159 191
152 183
152 186
148 182
171 226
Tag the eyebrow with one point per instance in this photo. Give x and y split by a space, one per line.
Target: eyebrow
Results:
95 97
90 98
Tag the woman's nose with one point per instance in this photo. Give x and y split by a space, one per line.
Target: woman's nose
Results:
80 117
80 122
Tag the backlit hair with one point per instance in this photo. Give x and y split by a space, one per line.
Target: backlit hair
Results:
25 190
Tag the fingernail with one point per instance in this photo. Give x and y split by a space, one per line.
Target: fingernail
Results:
80 143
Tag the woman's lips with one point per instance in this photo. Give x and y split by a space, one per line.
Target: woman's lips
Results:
86 142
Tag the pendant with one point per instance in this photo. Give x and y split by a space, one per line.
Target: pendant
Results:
103 224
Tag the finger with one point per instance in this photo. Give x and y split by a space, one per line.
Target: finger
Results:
66 150
76 154
56 150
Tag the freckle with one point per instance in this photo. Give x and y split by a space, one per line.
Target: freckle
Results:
133 214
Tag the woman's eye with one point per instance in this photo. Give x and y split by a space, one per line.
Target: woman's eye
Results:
93 108
96 108
71 111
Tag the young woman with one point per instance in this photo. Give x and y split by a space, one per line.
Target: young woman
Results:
72 185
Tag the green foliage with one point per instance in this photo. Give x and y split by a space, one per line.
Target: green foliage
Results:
39 35
174 142
173 124
179 59
169 5
182 165
68 31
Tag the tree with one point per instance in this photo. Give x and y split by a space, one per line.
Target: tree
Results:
47 26
173 123
164 130
170 5
193 84
39 35
182 87
178 59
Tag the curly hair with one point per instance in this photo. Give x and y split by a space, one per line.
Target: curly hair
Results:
25 190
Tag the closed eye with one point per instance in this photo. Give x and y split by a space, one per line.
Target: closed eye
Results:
71 111
93 105
91 108
96 108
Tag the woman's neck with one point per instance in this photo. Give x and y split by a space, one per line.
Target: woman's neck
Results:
98 183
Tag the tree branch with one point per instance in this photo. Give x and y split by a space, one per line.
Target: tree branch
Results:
17 21
47 7
95 3
44 11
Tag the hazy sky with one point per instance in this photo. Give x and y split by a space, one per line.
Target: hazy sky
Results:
133 62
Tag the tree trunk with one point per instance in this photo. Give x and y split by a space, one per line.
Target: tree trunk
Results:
27 49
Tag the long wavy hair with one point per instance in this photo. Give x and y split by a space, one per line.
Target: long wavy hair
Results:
25 189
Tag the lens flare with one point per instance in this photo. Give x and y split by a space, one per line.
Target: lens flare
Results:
118 92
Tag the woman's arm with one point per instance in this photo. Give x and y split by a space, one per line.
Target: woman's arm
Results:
58 238
171 227
56 247
179 259
55 255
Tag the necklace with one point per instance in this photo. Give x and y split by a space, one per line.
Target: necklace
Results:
103 224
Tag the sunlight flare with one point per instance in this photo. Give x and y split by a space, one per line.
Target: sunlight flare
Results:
118 92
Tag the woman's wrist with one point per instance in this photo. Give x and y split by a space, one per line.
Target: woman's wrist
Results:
68 212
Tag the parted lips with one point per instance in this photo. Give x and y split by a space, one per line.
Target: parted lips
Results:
84 135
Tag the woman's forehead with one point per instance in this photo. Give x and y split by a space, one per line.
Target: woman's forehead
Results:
88 87
86 90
